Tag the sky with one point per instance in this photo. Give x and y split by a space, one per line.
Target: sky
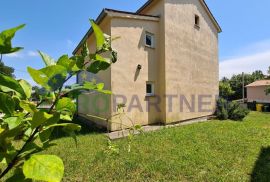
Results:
56 27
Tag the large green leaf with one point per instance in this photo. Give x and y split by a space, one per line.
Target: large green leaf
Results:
100 39
28 106
26 87
66 62
40 118
13 122
12 85
5 40
51 77
79 60
66 104
45 134
44 167
38 76
97 66
46 59
7 105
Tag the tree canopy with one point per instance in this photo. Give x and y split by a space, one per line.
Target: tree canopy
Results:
6 70
232 88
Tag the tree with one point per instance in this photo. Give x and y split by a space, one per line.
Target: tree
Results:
6 70
22 120
236 83
258 75
225 89
268 71
267 91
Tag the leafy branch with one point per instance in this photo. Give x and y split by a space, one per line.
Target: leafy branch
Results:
32 126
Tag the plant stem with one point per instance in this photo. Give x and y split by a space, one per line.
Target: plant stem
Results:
16 158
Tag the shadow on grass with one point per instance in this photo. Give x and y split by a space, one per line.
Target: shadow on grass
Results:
86 129
261 170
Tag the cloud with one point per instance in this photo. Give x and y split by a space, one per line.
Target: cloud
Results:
70 44
258 58
32 53
22 54
14 55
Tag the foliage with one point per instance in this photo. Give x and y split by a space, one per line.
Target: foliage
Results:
267 91
225 89
222 109
230 110
236 83
268 71
6 70
236 112
31 127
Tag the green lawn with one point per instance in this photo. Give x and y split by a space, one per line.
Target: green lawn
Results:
210 151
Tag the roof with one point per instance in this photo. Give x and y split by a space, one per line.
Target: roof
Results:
127 12
149 2
105 11
113 12
259 83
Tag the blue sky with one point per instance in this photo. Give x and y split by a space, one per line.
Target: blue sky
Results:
56 26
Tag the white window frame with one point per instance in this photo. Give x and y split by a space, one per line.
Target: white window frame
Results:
152 89
152 40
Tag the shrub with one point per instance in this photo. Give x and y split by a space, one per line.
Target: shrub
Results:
236 112
222 111
230 110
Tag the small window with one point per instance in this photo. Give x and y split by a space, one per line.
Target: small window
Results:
149 89
149 40
197 21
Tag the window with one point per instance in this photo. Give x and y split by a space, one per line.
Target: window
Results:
149 89
197 21
149 40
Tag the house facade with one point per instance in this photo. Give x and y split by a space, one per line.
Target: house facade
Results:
256 91
167 69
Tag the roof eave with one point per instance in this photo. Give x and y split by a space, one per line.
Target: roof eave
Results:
203 2
101 16
113 13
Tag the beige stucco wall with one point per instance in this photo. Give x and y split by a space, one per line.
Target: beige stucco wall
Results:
95 103
257 94
184 62
157 8
127 80
191 57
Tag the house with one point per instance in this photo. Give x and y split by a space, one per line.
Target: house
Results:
256 91
167 69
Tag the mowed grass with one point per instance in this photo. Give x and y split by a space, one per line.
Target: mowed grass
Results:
210 151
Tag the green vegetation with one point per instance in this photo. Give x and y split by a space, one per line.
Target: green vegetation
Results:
6 70
231 89
230 110
210 151
225 90
25 129
267 91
